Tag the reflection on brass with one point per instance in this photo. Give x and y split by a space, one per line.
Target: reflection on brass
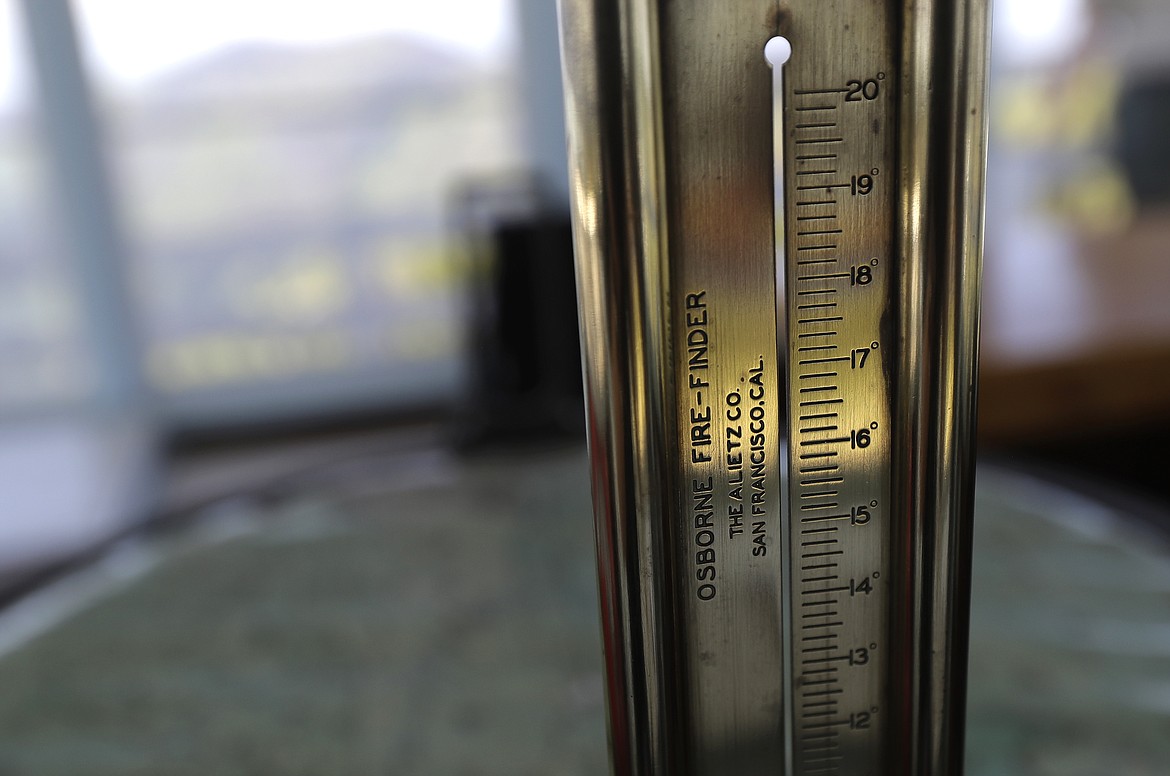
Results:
780 414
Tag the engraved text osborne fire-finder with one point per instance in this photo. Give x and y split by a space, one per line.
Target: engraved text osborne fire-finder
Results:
777 217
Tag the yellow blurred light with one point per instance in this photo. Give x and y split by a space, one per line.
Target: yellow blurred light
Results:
408 268
1096 202
311 286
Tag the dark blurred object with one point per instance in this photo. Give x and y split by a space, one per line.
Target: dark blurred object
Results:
525 353
1143 129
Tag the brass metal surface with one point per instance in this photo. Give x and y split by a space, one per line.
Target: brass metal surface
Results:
780 454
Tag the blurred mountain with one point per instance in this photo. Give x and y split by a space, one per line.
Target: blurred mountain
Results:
267 69
256 135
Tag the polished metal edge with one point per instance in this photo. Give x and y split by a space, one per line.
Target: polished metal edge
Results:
613 123
943 157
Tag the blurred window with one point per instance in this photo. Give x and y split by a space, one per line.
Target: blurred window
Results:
285 173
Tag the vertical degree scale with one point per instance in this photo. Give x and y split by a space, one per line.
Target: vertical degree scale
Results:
832 140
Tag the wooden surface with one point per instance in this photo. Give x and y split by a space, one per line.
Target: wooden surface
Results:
1076 329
